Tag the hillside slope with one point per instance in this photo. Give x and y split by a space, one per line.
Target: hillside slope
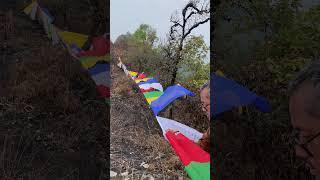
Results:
54 125
136 137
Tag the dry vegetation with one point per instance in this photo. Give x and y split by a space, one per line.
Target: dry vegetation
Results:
53 122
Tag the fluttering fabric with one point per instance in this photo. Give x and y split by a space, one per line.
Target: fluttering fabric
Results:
187 131
157 86
149 81
147 90
133 73
47 13
33 11
152 94
125 69
27 10
55 36
104 91
75 49
150 100
141 76
73 38
142 80
99 47
220 73
45 18
102 78
169 95
228 94
99 68
89 61
195 160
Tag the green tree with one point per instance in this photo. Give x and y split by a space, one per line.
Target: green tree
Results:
138 49
193 71
290 40
145 34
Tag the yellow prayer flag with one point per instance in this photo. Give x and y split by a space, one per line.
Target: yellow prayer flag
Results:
151 99
240 110
29 8
90 61
220 73
132 73
139 80
73 38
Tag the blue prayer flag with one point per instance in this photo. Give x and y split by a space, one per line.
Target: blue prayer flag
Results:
45 10
148 81
227 94
99 68
168 96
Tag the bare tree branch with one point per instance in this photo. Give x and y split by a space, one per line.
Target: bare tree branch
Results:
176 23
193 13
195 26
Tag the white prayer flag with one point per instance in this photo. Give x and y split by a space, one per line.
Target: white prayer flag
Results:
187 131
157 86
125 69
34 11
55 36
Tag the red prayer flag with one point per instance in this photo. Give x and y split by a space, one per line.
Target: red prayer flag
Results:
100 47
147 90
186 149
103 91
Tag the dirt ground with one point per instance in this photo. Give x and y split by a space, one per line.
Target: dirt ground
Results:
53 124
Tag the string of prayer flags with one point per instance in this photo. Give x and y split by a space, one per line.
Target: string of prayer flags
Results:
195 160
96 60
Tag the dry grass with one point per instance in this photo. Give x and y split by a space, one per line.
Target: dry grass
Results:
51 116
17 154
46 75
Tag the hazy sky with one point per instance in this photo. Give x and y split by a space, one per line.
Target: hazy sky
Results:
127 15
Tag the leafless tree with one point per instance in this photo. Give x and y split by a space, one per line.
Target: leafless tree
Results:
195 13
